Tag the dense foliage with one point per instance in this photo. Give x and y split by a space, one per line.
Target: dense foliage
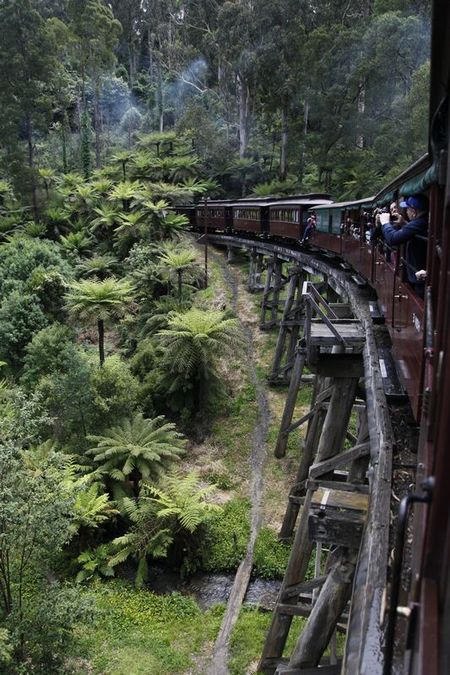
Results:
114 358
293 95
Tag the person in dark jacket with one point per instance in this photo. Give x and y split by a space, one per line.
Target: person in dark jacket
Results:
411 233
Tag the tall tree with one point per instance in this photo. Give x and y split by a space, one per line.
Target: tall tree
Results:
96 31
28 68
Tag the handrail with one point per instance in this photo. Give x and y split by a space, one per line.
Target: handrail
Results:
402 521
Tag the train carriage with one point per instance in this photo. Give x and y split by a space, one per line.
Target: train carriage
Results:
429 600
342 228
288 217
218 216
250 216
400 303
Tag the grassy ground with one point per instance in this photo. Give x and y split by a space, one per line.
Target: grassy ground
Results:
136 632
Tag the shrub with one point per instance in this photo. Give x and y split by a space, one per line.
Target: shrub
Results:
225 539
21 316
271 555
51 351
116 393
22 256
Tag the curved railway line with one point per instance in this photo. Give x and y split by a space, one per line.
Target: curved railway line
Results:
358 564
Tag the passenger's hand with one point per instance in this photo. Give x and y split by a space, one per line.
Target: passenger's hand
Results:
398 220
384 218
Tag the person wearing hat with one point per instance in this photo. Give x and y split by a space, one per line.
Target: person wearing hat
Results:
411 233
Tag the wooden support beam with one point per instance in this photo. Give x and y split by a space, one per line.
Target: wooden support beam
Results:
335 365
305 586
337 485
343 458
320 393
291 319
267 287
334 669
299 363
330 604
293 610
231 254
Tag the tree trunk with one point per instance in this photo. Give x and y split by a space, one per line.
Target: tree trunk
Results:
29 129
360 140
303 150
97 124
284 137
101 341
160 101
243 116
64 142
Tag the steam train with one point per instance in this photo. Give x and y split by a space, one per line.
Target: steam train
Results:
419 329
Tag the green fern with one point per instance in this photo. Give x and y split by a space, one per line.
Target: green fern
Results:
138 448
184 499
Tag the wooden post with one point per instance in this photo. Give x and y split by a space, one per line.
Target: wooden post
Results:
267 288
258 270
309 447
295 572
277 285
291 314
337 418
296 376
251 271
331 602
231 255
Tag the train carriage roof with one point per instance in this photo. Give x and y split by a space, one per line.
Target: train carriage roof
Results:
301 201
344 205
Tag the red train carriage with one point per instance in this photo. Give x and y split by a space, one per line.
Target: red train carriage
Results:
429 601
218 216
341 228
250 216
402 307
287 218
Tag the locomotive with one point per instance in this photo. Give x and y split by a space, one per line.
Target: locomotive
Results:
419 328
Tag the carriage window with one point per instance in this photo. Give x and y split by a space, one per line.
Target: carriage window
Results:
247 214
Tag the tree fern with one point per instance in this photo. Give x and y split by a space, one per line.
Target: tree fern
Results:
138 448
99 300
184 499
195 342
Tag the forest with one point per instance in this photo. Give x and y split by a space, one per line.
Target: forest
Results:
130 381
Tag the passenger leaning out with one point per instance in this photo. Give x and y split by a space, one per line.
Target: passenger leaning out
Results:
396 231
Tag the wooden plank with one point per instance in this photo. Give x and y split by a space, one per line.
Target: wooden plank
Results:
342 528
293 610
343 458
340 499
294 499
351 333
336 485
304 586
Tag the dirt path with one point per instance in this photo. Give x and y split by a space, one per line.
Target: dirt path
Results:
219 663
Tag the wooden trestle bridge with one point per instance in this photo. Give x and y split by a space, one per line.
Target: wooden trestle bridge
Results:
338 508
